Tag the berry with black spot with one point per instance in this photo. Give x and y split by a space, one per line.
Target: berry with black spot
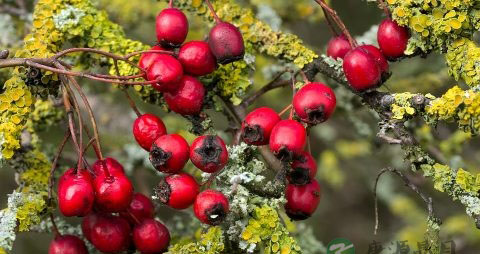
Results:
258 125
302 200
147 128
209 153
211 207
151 236
338 47
67 244
197 58
287 140
303 169
167 70
171 27
392 39
188 98
110 234
178 191
314 103
169 153
75 193
139 209
361 70
226 43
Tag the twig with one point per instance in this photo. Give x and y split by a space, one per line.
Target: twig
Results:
274 83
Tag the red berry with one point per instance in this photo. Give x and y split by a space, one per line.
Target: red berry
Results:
302 200
147 59
338 47
151 236
169 153
361 70
188 98
111 234
178 191
211 207
226 43
258 125
113 193
67 244
75 193
112 165
171 27
196 58
314 103
392 39
147 128
140 208
167 70
378 56
287 140
209 153
303 169
88 222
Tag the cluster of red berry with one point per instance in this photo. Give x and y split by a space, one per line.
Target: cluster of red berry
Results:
365 65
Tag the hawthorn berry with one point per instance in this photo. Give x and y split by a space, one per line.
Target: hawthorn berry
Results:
139 209
314 103
178 191
287 140
338 47
75 193
258 125
108 164
197 58
226 43
302 200
167 70
110 234
147 128
113 193
211 207
147 59
378 56
361 70
303 169
171 27
151 236
169 153
88 222
392 39
67 244
188 98
209 153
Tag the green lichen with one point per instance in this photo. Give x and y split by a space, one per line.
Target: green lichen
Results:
210 242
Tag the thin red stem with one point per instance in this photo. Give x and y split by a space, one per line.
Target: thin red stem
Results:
212 10
51 180
170 4
54 225
384 6
132 103
338 21
285 110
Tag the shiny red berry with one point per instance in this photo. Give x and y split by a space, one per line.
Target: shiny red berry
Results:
167 70
378 56
111 234
140 208
147 128
392 39
314 103
361 70
209 153
302 200
178 191
197 58
75 193
303 169
258 125
338 47
110 164
211 207
67 244
147 59
151 236
171 27
188 98
169 153
88 222
113 193
287 140
226 42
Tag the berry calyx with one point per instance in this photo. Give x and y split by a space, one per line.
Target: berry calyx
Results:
147 59
178 191
139 209
226 43
113 193
287 140
303 169
169 153
258 125
188 98
75 193
392 39
151 236
110 234
197 58
171 27
302 200
378 56
167 70
314 103
147 128
361 70
211 207
338 47
67 244
209 153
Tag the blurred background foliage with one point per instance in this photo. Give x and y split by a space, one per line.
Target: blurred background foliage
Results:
348 153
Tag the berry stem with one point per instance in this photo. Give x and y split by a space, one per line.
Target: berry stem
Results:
339 22
285 110
74 104
51 180
170 4
130 101
212 10
384 6
71 124
54 226
329 23
134 217
304 76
